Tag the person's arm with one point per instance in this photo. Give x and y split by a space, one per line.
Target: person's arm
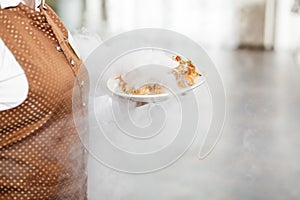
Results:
13 81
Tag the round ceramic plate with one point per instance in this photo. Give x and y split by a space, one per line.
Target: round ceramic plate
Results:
152 74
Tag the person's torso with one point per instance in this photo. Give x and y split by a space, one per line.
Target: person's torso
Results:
43 125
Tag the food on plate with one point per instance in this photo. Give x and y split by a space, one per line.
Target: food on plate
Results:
147 89
185 74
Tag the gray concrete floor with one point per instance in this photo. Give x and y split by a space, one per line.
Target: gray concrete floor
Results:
257 157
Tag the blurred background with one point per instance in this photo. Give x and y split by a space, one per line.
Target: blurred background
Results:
255 45
264 24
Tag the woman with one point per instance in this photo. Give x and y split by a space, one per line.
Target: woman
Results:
41 154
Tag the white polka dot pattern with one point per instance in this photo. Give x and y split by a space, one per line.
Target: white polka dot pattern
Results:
41 156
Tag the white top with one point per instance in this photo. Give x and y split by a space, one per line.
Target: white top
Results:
14 3
13 82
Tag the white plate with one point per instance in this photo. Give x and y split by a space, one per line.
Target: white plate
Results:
151 74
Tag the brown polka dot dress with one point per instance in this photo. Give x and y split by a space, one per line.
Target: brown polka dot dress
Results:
41 153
